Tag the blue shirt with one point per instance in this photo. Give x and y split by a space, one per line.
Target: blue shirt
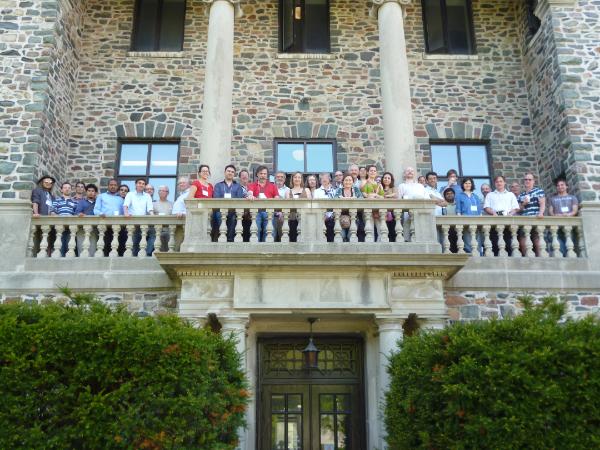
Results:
109 204
85 206
465 205
456 188
222 188
64 206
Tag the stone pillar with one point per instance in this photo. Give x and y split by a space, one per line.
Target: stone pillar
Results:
390 333
218 86
399 142
590 215
235 325
15 223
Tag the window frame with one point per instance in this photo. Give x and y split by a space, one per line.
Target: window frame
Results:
304 142
120 178
156 46
458 143
444 14
299 34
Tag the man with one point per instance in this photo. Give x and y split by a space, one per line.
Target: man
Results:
123 191
244 177
183 185
354 170
139 203
64 206
500 203
452 176
228 189
563 205
80 191
326 191
449 197
485 190
85 207
41 196
280 178
338 179
515 188
532 203
262 188
432 190
162 207
149 189
422 180
110 203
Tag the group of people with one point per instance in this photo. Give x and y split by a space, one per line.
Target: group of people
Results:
456 197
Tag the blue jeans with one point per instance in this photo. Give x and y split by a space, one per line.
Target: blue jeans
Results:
150 238
230 221
467 241
261 224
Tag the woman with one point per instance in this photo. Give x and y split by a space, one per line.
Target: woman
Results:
297 191
201 188
371 189
469 204
311 183
389 192
347 190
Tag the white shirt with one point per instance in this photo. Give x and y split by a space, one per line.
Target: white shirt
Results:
283 190
179 204
435 194
412 191
501 201
138 204
320 193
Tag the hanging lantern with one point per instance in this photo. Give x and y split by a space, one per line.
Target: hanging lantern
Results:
311 352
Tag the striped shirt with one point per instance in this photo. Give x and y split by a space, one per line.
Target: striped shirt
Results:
533 207
64 206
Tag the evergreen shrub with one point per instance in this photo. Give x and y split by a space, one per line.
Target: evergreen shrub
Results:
529 382
84 376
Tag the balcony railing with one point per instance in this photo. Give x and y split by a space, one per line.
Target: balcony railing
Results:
515 236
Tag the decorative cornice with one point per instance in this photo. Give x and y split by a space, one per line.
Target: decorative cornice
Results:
193 273
428 274
376 4
236 4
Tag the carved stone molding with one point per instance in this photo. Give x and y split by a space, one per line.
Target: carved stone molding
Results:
415 273
544 6
376 4
193 273
236 4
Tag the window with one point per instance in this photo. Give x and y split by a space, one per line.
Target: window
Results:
158 25
156 162
468 159
304 26
448 26
533 22
305 156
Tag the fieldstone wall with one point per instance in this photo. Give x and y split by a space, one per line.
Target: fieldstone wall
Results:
485 305
39 49
141 303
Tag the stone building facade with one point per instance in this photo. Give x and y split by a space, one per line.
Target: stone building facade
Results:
72 90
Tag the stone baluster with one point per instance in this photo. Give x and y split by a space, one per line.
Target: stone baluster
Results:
58 241
253 226
580 242
44 242
369 234
31 241
353 235
501 244
487 242
143 241
337 227
285 226
554 244
398 225
87 235
474 241
129 243
114 244
513 244
239 227
171 242
383 229
223 225
528 244
100 244
460 243
269 237
541 231
569 241
446 241
71 243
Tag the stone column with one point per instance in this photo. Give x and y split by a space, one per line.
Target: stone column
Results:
218 86
235 325
390 333
590 215
399 142
15 223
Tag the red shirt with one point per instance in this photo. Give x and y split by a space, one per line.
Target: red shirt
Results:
269 190
200 190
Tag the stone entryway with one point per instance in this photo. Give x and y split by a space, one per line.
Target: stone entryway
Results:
322 409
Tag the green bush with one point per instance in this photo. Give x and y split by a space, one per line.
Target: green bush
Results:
84 376
529 382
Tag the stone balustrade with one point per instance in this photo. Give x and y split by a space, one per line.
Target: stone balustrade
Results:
515 236
97 237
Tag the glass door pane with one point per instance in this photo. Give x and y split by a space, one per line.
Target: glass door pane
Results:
285 413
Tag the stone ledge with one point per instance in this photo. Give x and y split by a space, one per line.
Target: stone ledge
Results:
321 56
448 57
156 54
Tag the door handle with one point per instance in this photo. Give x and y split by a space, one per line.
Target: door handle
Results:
298 13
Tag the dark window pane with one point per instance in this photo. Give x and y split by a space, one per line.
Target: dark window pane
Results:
444 158
325 403
287 25
290 157
474 160
295 403
134 159
459 27
319 158
316 26
434 26
171 26
342 403
145 25
278 403
163 160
